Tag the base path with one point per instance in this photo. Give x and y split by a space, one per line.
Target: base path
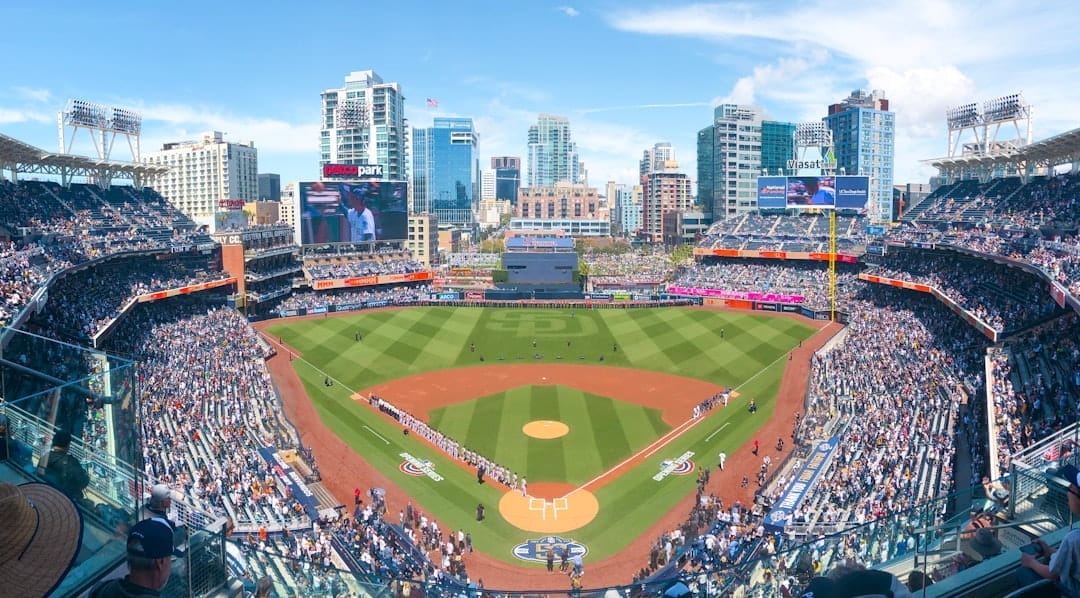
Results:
343 469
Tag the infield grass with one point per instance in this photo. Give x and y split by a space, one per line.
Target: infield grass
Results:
749 355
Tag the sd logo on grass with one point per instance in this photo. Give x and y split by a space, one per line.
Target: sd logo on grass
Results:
536 550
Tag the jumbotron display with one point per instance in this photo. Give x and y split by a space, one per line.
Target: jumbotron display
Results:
353 211
825 191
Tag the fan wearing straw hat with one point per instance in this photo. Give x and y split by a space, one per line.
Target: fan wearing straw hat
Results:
62 470
149 560
42 535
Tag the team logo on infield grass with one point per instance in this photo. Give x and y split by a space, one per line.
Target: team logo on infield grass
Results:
536 550
418 467
683 465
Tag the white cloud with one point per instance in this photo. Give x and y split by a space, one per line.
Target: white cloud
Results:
34 94
569 11
11 116
182 121
941 54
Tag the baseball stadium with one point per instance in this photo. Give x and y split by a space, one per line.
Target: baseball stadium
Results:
798 390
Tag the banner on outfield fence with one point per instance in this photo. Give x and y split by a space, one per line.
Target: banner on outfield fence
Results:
801 484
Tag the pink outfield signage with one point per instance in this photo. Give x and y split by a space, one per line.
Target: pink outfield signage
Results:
745 295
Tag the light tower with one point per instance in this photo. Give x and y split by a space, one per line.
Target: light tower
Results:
103 123
984 124
817 135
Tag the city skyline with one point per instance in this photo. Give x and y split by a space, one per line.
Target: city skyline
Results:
269 93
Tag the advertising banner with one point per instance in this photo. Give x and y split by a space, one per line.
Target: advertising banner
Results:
620 296
474 296
801 484
364 281
903 284
766 306
807 312
195 288
317 310
448 296
354 211
772 192
598 296
853 193
749 295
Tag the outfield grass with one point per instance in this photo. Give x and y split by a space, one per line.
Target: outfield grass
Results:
603 432
402 342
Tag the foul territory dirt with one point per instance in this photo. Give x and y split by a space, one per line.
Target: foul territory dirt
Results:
343 469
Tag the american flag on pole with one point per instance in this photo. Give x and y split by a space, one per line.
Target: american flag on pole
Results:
432 103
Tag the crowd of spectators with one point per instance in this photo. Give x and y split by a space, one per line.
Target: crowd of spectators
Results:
998 295
1036 382
807 279
209 406
784 232
362 266
895 392
633 268
54 235
81 303
394 295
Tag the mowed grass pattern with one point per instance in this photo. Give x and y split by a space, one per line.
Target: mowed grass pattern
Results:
720 347
727 348
603 432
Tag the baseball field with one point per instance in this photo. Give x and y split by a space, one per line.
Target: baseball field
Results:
593 407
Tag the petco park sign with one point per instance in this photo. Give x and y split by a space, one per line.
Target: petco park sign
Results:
352 171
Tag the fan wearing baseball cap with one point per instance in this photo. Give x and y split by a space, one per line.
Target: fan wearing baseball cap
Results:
149 559
1063 568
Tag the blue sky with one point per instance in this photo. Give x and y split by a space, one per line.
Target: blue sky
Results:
627 74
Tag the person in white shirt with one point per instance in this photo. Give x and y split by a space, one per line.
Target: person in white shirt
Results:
361 220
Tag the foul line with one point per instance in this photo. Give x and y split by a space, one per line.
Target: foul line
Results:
709 437
678 431
377 434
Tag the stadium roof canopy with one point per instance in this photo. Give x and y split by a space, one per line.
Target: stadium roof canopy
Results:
17 157
1052 151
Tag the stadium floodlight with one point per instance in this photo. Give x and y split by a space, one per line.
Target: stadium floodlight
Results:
81 113
967 115
126 121
812 134
1004 108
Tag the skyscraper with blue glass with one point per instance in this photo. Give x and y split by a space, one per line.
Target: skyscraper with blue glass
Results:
446 170
864 141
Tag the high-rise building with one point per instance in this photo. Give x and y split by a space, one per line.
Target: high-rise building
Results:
777 146
269 186
864 139
653 158
487 184
507 177
364 123
624 204
553 155
446 170
663 191
729 161
204 173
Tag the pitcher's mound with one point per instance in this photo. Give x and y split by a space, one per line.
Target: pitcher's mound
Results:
549 515
545 429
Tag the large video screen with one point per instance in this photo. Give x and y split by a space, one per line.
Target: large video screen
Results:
824 192
353 211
